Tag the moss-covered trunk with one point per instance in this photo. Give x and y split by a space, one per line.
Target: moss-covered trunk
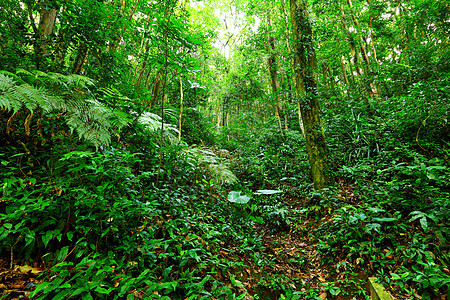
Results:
305 65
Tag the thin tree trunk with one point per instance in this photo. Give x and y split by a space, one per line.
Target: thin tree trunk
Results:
344 73
372 39
351 41
272 65
358 32
60 51
113 46
181 108
305 65
81 58
155 90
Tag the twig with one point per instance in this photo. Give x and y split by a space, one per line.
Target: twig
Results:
73 249
12 255
421 125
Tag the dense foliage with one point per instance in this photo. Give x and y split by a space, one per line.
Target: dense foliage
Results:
156 149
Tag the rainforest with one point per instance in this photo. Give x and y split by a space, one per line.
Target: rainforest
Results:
224 149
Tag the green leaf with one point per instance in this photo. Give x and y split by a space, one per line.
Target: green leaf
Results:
384 219
258 220
424 223
236 197
62 294
431 176
103 290
416 214
86 296
70 235
40 287
267 192
47 237
79 291
4 234
62 253
235 282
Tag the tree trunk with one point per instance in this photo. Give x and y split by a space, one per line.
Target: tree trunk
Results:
155 90
344 73
81 58
272 65
305 65
113 46
46 23
351 42
181 108
42 31
372 39
358 32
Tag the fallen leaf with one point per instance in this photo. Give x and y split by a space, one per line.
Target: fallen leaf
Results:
323 296
28 269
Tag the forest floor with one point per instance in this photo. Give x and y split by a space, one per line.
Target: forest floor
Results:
288 257
296 262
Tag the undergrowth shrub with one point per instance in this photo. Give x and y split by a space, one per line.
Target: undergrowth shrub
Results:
110 229
267 158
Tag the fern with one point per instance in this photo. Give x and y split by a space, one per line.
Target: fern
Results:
152 122
210 162
15 97
92 120
72 85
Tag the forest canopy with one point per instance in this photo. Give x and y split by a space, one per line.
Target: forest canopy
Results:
234 149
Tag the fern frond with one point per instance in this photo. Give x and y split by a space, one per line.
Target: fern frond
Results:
153 123
24 72
66 84
75 80
14 97
115 94
119 119
209 161
92 120
7 101
15 77
222 174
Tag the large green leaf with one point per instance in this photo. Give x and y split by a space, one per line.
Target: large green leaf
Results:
267 192
236 197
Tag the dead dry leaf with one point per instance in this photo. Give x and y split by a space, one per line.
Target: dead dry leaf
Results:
30 270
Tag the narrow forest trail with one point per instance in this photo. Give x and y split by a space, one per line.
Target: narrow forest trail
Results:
296 263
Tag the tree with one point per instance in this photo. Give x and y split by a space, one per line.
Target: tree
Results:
305 65
272 66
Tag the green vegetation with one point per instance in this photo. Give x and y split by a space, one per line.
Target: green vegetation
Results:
239 149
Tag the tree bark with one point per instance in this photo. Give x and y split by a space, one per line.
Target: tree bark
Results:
351 42
61 44
113 46
305 65
46 23
272 65
344 73
181 108
81 58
